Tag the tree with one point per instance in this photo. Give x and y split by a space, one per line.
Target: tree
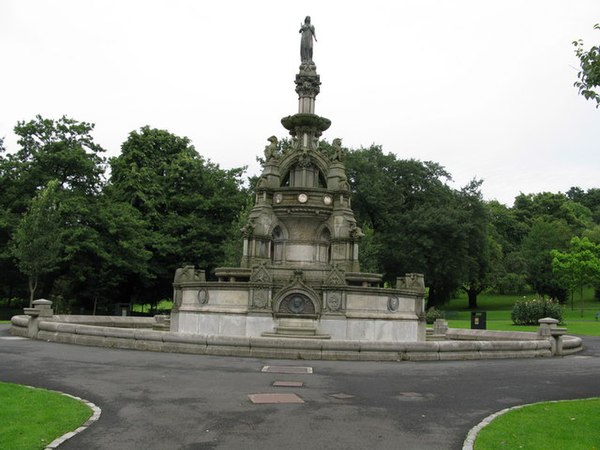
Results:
482 252
579 266
589 75
36 243
545 236
186 203
420 224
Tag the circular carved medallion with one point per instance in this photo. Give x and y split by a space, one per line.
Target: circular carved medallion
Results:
393 304
297 304
334 301
327 199
277 198
302 198
203 296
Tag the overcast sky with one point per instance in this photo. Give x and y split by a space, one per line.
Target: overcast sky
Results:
485 88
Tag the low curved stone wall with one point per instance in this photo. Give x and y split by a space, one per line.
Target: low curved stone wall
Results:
136 333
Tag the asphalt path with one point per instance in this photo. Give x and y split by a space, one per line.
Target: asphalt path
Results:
178 401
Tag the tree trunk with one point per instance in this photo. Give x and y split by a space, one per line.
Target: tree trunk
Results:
472 295
32 287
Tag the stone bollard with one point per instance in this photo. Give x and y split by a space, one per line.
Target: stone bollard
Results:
41 308
440 327
549 330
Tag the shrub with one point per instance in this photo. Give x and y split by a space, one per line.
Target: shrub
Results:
432 314
529 312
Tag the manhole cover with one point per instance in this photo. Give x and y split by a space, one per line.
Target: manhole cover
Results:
287 369
274 398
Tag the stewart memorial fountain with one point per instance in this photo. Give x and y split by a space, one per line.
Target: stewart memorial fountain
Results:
298 291
300 275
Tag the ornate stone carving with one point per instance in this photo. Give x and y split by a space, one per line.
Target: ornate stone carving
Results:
296 303
188 273
304 159
308 85
393 304
355 232
203 296
248 229
260 274
411 281
338 152
271 149
335 277
334 301
260 298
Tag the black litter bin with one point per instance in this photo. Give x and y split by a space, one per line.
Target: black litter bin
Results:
478 320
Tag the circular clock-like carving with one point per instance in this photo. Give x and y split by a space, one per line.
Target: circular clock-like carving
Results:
302 198
327 199
277 198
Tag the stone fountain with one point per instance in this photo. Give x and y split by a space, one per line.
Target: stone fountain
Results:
300 276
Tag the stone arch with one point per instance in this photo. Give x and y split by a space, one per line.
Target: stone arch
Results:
297 301
323 242
279 236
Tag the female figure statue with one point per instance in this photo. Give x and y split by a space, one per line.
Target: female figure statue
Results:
306 43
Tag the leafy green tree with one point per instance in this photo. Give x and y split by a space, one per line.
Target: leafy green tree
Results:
589 75
36 243
482 252
187 204
544 237
505 235
579 266
420 224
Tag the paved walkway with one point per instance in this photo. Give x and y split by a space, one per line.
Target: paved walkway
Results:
176 401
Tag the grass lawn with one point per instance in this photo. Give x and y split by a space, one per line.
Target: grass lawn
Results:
573 424
498 308
32 418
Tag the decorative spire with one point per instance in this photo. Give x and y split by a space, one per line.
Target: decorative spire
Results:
306 126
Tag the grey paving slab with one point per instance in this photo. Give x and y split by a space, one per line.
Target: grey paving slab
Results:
178 401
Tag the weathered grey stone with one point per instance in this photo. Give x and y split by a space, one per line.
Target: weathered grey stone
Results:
148 335
182 347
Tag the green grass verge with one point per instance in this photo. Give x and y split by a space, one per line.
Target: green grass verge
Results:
498 308
573 424
32 418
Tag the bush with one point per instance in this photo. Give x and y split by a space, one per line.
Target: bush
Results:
529 312
432 314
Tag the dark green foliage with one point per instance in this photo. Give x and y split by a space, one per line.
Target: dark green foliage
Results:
432 314
529 312
589 75
420 224
36 242
544 237
186 203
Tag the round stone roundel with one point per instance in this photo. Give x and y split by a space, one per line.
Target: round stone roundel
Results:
302 198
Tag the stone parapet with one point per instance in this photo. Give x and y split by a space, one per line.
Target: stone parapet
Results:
137 338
